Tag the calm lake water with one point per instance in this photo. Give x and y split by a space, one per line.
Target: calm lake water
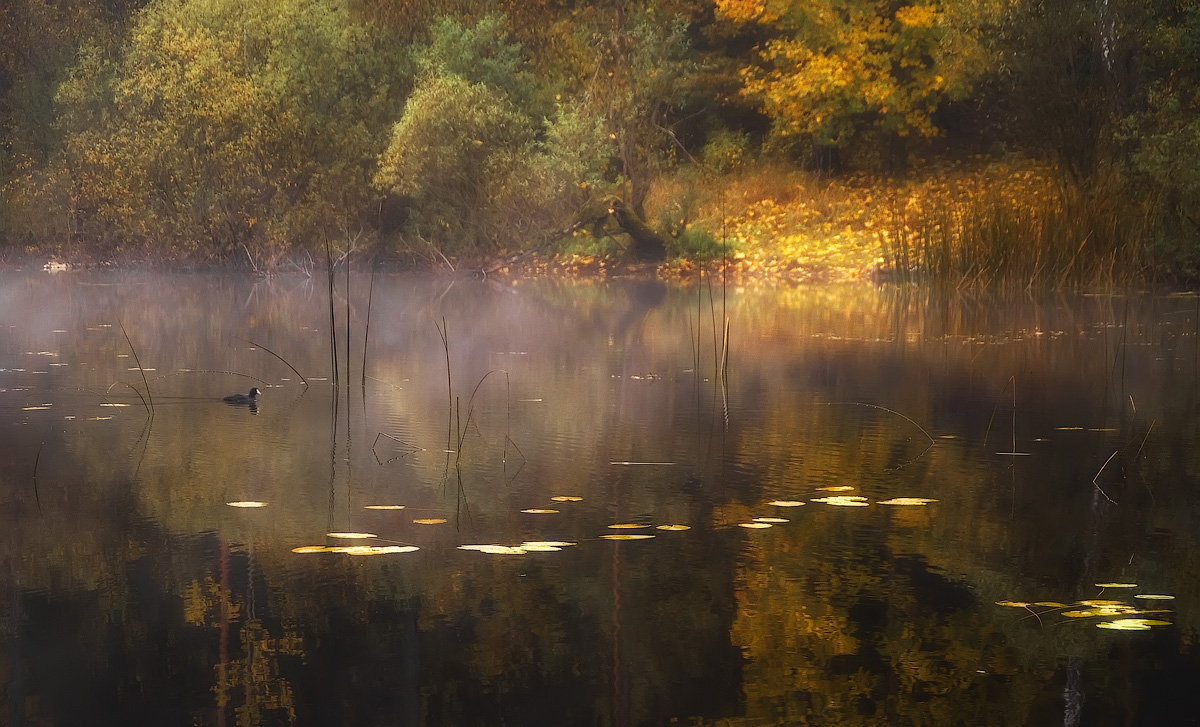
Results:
1056 438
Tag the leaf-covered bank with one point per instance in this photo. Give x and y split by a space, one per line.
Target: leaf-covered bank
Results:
484 133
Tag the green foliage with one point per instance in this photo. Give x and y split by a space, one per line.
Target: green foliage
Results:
456 142
481 172
697 242
1165 134
726 151
646 69
230 123
482 54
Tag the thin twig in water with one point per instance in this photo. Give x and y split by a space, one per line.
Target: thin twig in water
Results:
992 418
443 332
1097 477
37 498
462 434
139 365
932 441
524 460
135 390
1148 430
413 449
281 358
367 327
332 322
348 251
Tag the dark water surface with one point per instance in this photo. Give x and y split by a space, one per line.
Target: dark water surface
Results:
1057 437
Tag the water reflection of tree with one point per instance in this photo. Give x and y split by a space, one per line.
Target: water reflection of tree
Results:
823 616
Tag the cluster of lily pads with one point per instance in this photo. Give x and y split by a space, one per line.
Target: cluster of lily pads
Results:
535 546
835 500
1115 615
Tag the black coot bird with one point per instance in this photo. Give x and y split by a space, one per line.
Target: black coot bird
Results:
250 400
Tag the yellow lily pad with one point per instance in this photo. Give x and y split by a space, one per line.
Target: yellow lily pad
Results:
378 549
430 521
773 520
1092 612
755 526
383 507
539 511
907 501
247 503
496 549
673 527
627 526
351 536
835 488
843 500
626 536
786 503
356 549
566 498
1116 585
1154 597
1132 624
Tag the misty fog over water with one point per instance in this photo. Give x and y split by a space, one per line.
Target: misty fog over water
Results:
1051 440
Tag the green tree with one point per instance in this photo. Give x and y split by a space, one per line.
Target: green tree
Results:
644 75
231 123
1164 133
481 171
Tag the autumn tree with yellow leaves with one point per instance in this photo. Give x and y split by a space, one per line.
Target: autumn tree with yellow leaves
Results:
830 68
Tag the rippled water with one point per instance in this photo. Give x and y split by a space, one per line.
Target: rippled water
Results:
1054 437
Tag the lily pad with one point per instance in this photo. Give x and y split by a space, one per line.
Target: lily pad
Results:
1132 624
907 501
843 500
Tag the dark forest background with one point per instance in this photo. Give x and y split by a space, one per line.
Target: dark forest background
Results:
222 129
